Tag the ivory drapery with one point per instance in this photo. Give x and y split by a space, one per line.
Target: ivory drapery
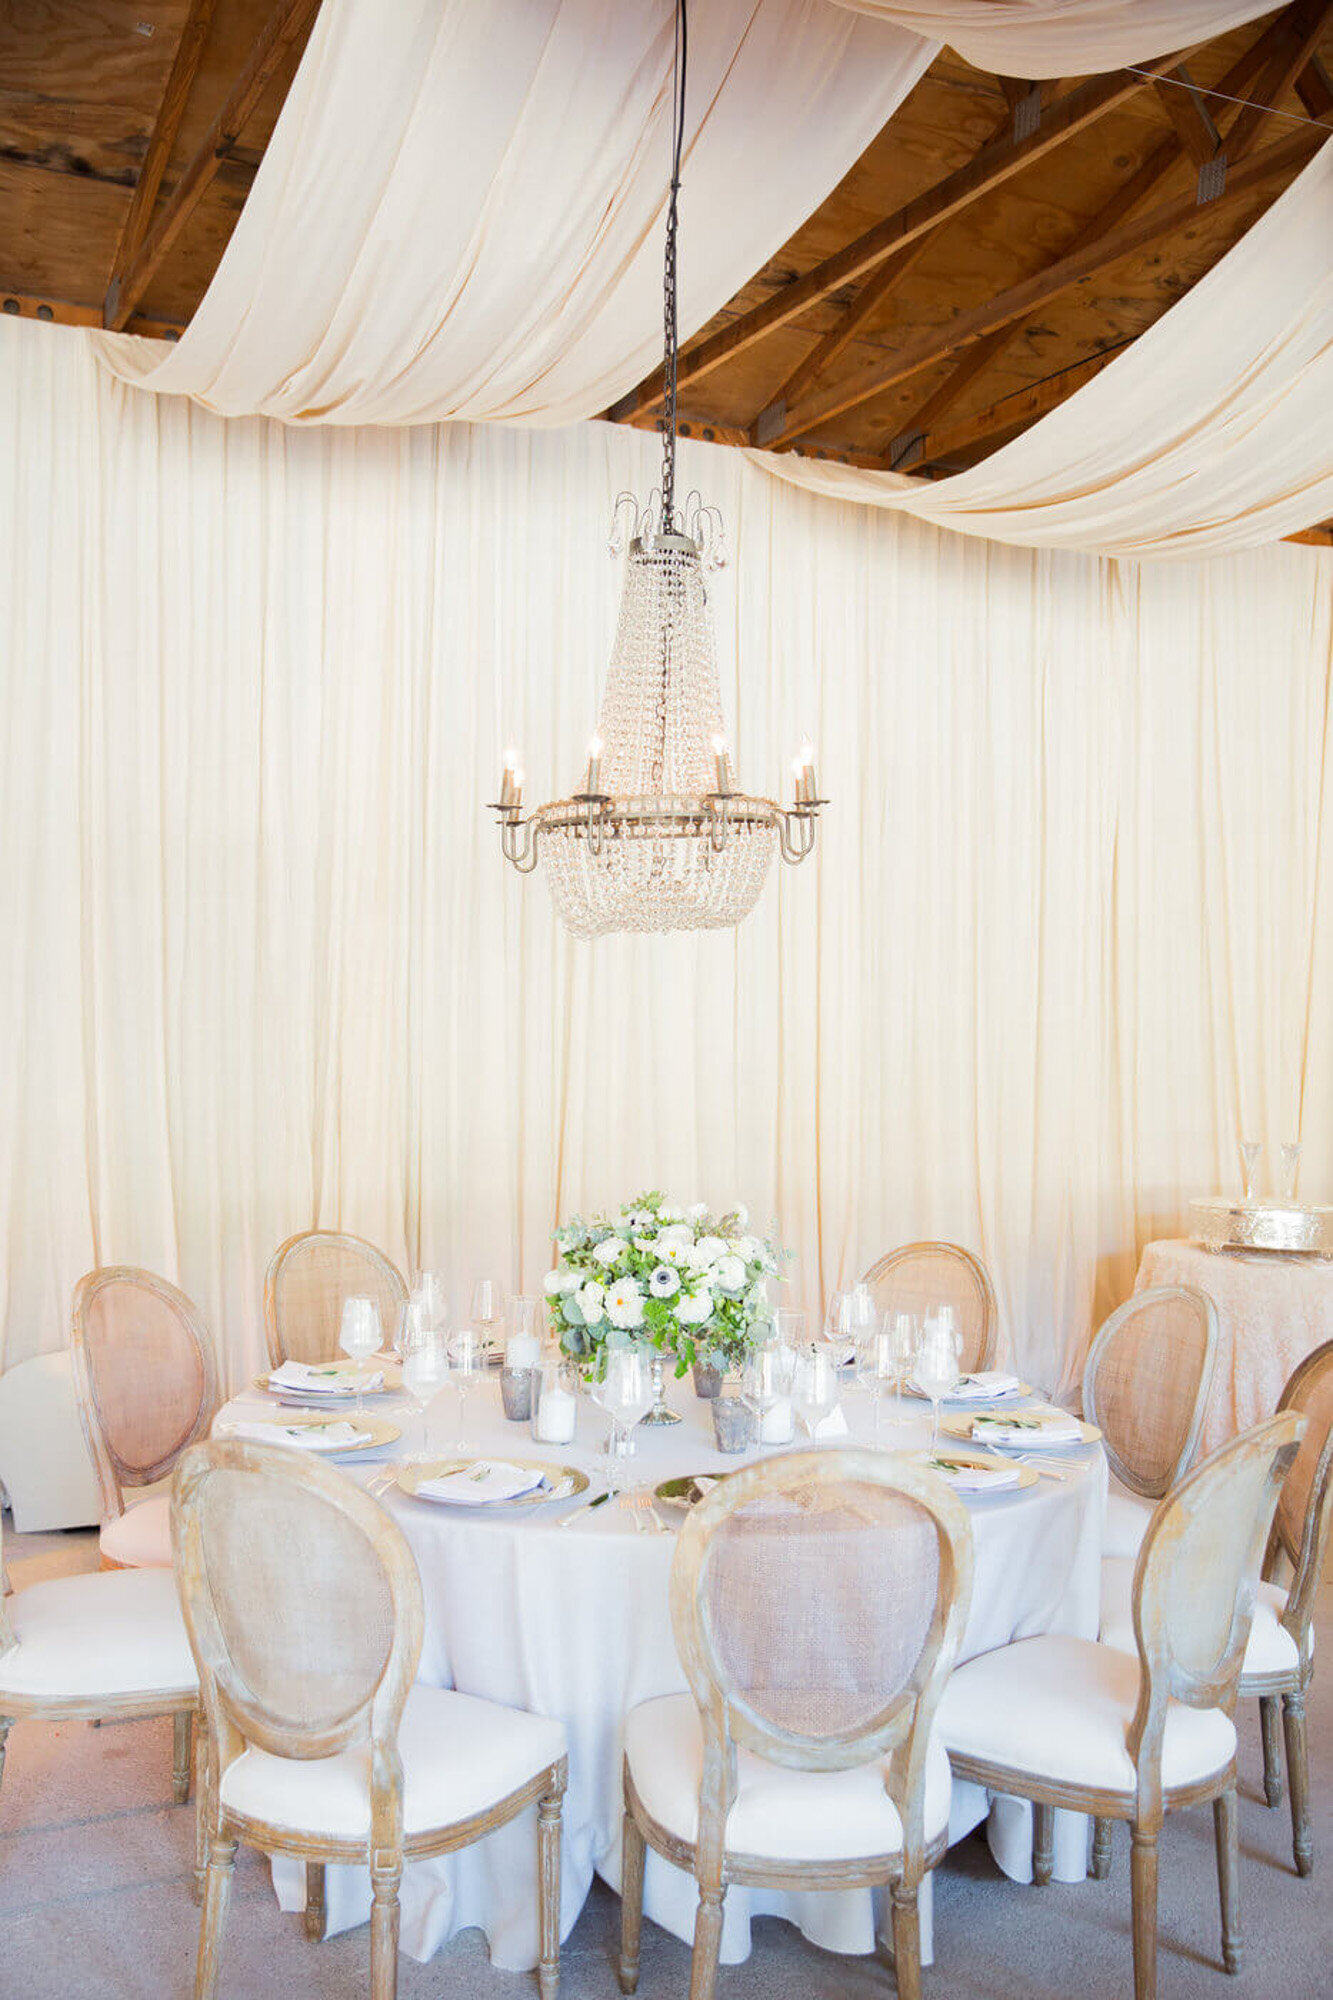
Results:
1211 432
1040 38
441 231
1066 933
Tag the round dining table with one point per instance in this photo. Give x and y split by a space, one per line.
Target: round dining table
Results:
573 1621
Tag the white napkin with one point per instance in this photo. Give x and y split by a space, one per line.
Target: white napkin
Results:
1030 1427
976 1478
982 1388
322 1379
486 1480
834 1425
304 1437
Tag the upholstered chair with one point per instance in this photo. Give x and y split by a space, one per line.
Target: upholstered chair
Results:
309 1278
818 1602
1146 1383
1279 1658
304 1610
1072 1722
110 1647
146 1387
920 1277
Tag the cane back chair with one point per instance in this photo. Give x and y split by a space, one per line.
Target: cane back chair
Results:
920 1277
310 1276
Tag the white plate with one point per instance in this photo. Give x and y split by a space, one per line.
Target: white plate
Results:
973 1402
564 1482
381 1431
323 1399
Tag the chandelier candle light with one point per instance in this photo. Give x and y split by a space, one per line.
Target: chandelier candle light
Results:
659 838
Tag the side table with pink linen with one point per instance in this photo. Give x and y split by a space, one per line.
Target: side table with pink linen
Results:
1272 1308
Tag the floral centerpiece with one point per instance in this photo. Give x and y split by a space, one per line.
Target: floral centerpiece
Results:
691 1283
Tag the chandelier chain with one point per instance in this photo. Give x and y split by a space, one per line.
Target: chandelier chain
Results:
670 324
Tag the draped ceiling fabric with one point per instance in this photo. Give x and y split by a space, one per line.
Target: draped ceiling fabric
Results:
1041 38
460 212
1212 432
1068 931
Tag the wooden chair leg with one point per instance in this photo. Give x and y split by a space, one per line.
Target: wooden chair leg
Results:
203 1813
315 1913
1298 1777
1043 1843
906 1942
1269 1715
217 1895
5 1727
1143 1891
182 1754
549 1813
1227 1835
631 1902
707 1941
384 1920
1101 1848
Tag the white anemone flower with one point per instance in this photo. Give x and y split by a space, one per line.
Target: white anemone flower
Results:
729 1275
709 1248
592 1298
551 1283
610 1252
694 1308
664 1282
624 1304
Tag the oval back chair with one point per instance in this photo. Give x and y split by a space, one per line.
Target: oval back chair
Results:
146 1386
919 1277
818 1602
1146 1383
310 1276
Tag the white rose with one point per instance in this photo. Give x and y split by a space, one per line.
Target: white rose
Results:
551 1283
750 1248
591 1298
729 1274
696 1211
569 1282
645 1245
709 1248
610 1252
624 1304
694 1308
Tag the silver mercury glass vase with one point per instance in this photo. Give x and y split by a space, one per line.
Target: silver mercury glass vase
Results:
660 1413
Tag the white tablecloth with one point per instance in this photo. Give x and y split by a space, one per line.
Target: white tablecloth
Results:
1273 1308
575 1623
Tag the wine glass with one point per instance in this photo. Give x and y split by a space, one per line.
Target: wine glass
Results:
815 1387
1291 1167
626 1394
467 1359
425 1370
488 1308
900 1329
1250 1152
766 1381
359 1336
839 1320
428 1289
876 1365
936 1369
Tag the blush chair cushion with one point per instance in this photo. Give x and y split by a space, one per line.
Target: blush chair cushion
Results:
1271 1648
461 1756
779 1814
84 1637
140 1538
1059 1708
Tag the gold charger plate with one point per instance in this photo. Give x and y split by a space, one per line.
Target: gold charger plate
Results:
961 1427
566 1482
393 1382
381 1431
987 1461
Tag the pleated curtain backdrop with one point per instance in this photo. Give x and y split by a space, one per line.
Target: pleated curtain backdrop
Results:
1066 934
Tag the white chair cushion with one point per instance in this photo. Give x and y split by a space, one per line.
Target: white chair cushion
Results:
781 1814
461 1756
1059 1708
1127 1518
1271 1648
140 1538
82 1637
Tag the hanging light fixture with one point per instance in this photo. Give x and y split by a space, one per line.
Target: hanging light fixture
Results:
658 838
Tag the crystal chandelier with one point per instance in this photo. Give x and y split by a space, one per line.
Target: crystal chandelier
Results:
658 838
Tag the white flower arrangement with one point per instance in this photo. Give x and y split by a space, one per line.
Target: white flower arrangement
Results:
692 1283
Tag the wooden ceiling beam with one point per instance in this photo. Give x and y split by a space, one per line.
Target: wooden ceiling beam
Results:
1314 87
175 97
288 22
15 301
1075 268
1184 105
997 161
902 445
877 290
1021 407
1298 33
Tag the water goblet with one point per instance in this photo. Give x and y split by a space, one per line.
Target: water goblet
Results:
425 1370
936 1369
900 1328
359 1336
840 1319
815 1390
467 1359
428 1289
626 1395
876 1366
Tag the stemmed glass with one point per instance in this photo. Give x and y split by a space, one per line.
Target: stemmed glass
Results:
877 1366
425 1370
626 1394
766 1381
428 1289
359 1336
488 1308
1250 1151
936 1369
467 1359
1291 1167
816 1387
900 1330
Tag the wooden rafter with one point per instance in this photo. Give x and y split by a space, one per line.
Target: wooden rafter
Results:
175 97
1298 33
1314 87
908 441
998 161
16 301
1074 268
1010 413
289 20
1186 107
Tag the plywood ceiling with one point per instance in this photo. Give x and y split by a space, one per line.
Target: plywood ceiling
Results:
994 247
